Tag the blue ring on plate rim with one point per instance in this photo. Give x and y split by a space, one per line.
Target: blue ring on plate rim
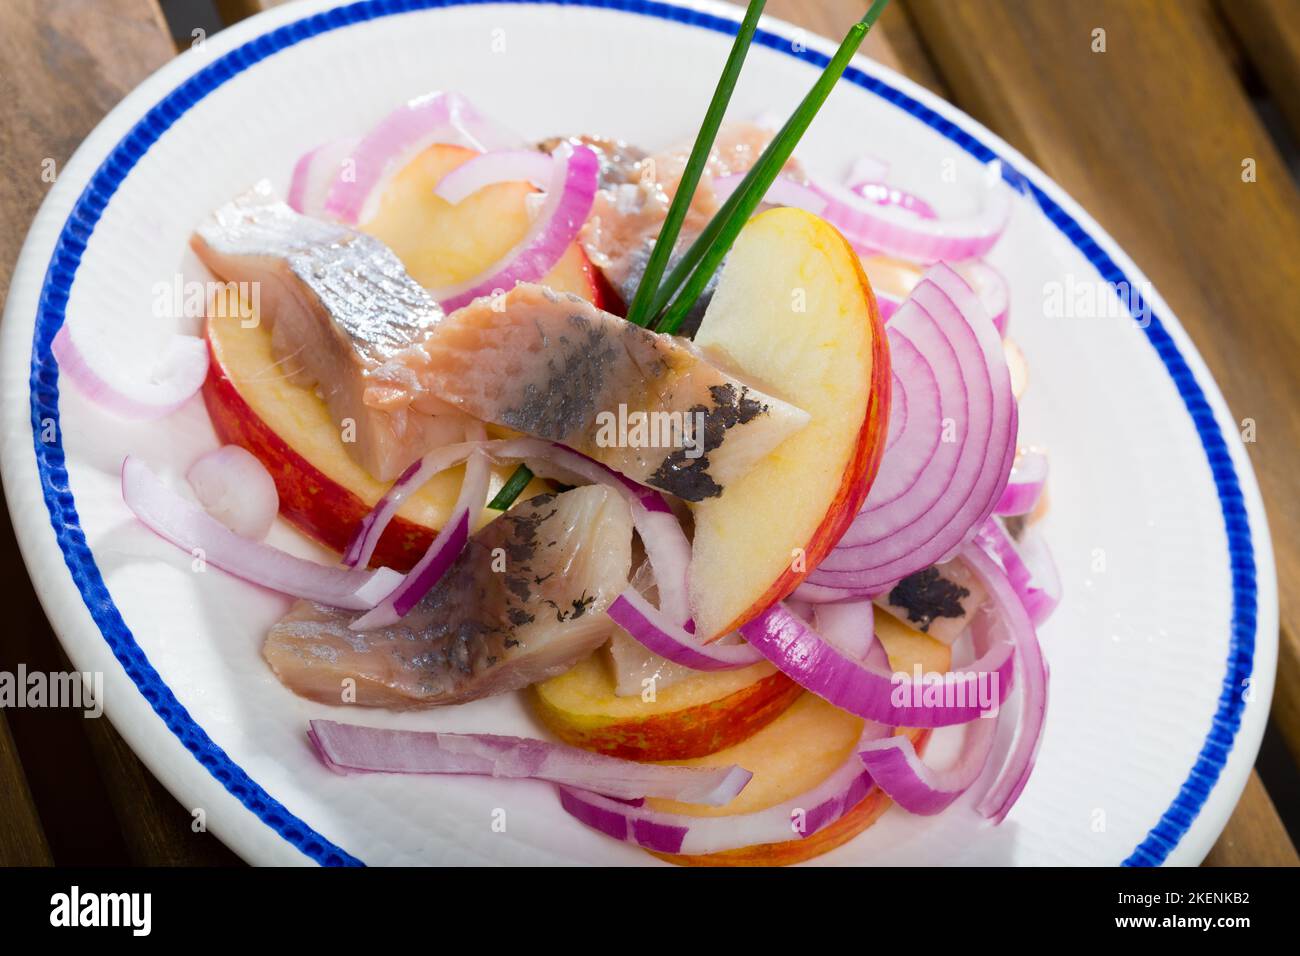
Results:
1162 837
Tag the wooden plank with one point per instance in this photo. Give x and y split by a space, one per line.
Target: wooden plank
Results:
1155 151
1251 836
157 830
231 11
22 841
1269 33
65 66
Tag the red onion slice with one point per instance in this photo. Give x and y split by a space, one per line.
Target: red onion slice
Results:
176 378
891 525
314 175
235 488
647 624
795 819
959 485
882 194
897 231
366 538
569 197
399 138
349 748
915 422
849 626
898 770
1024 485
1006 618
499 166
894 699
1029 568
194 531
442 553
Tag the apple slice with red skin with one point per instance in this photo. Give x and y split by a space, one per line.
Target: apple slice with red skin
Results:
795 314
697 716
322 491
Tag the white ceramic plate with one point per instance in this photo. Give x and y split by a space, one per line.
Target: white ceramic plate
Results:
1162 653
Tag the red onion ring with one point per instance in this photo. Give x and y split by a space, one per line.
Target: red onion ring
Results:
1038 587
898 770
350 748
179 374
498 166
1024 485
235 488
1006 617
896 231
314 174
187 526
853 685
647 625
882 194
795 819
569 198
958 487
849 626
397 139
442 553
366 538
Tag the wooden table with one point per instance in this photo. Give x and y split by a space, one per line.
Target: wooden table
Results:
1149 136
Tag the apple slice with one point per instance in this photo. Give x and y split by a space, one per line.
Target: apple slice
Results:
799 750
697 716
442 244
795 314
322 490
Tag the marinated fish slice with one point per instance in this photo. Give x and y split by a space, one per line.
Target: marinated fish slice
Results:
649 406
629 212
523 603
344 317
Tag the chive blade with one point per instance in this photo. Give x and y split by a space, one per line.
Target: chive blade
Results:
713 244
639 311
512 489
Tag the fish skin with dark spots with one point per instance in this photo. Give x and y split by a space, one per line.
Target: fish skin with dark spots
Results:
558 368
479 631
345 318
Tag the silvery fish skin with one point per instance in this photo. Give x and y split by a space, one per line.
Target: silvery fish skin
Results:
524 602
631 206
556 367
345 318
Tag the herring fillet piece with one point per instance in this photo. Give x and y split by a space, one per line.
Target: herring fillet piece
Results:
499 620
345 318
556 367
633 202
